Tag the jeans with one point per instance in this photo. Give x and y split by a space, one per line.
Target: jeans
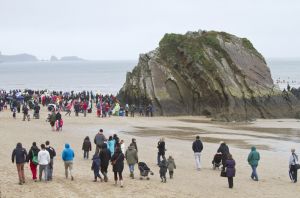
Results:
41 169
254 173
131 168
293 173
158 157
197 159
50 169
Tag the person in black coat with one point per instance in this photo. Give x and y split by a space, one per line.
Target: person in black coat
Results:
105 156
19 155
224 149
161 146
86 147
117 161
33 152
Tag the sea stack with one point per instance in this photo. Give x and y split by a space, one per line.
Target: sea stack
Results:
207 73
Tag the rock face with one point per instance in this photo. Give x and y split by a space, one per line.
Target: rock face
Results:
207 73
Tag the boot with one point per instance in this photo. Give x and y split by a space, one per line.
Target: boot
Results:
165 180
131 175
121 183
105 177
100 178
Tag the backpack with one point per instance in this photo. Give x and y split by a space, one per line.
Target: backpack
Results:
35 160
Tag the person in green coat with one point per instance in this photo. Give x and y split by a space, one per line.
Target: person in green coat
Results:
253 159
132 158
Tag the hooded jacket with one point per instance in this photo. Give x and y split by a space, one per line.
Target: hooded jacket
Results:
19 154
253 157
131 155
171 164
68 153
87 146
96 163
34 150
43 157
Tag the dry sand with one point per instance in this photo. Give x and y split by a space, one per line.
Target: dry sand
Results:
273 137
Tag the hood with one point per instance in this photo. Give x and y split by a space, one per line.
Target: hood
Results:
67 145
19 145
253 148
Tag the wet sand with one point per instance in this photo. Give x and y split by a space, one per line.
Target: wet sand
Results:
179 133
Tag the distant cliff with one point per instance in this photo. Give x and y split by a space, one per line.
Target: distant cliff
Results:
17 58
207 73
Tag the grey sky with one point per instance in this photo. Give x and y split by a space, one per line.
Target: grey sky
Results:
122 29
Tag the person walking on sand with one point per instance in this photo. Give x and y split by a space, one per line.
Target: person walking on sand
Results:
52 119
68 157
105 156
44 160
96 167
224 149
19 155
197 148
253 159
230 170
171 166
86 147
52 154
111 144
132 158
117 162
161 146
293 163
99 140
32 158
133 143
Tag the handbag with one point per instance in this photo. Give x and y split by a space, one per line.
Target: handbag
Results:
223 173
297 166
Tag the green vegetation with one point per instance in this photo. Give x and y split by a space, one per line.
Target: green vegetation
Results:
248 45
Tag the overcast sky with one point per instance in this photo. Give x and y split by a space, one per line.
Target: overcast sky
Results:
122 29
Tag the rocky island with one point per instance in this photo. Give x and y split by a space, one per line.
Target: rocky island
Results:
207 73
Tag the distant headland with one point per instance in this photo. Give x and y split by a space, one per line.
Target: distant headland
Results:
24 57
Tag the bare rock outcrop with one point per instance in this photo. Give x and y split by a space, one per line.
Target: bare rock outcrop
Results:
207 73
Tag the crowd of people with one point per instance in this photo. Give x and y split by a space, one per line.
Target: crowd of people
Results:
112 150
81 102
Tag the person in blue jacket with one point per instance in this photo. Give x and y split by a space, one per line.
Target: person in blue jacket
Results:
68 156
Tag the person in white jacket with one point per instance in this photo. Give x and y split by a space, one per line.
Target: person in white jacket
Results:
44 160
293 162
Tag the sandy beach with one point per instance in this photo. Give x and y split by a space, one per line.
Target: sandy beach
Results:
273 138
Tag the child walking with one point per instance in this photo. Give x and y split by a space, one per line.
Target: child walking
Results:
96 167
171 166
86 147
163 165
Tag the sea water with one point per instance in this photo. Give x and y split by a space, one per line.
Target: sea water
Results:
100 76
105 76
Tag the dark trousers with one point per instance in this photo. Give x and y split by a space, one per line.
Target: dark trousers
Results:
171 174
230 182
96 173
86 154
116 176
293 173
